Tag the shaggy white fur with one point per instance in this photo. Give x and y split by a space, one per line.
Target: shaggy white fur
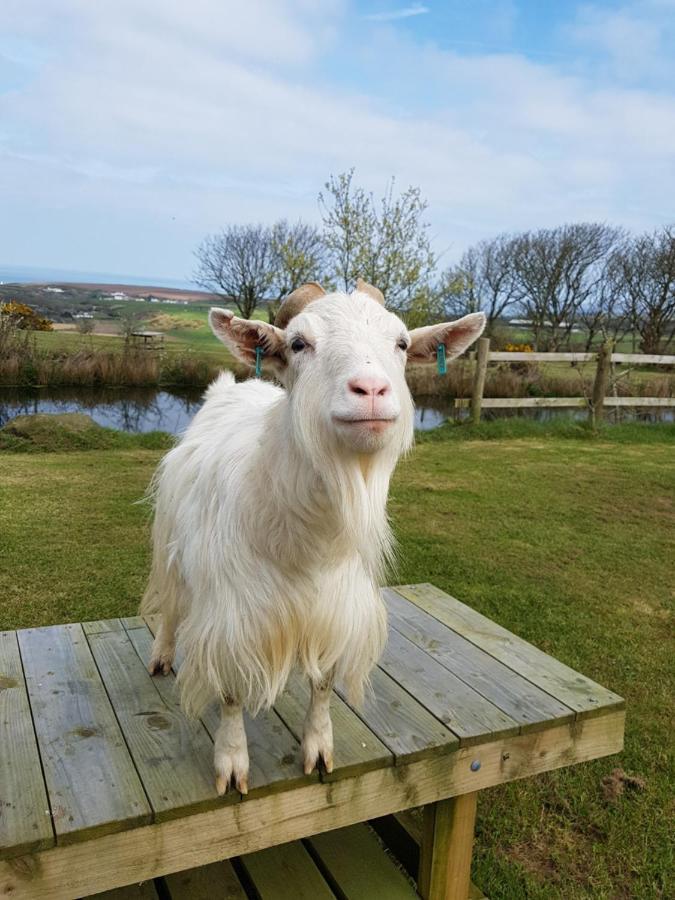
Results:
270 532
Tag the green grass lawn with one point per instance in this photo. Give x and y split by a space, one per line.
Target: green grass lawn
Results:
564 538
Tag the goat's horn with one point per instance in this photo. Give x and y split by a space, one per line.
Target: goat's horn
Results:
373 292
296 302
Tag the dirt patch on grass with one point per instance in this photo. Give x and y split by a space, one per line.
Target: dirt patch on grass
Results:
619 782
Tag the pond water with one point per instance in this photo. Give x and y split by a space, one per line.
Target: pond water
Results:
149 409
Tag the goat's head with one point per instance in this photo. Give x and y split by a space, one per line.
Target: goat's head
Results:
342 359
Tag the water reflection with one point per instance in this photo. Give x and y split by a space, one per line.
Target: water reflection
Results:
149 409
126 409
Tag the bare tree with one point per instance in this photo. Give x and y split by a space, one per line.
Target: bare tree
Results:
648 269
386 243
605 313
484 279
240 264
300 256
556 271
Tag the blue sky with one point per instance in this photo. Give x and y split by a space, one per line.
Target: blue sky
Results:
129 130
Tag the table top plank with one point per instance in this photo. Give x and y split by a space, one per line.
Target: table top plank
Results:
356 748
173 755
524 702
25 822
584 696
92 783
468 714
402 724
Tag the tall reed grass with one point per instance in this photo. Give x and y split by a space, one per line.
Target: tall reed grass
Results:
24 363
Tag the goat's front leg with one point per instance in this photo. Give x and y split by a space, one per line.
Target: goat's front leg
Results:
231 751
164 646
317 737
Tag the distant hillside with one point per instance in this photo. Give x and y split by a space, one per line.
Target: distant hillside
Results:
61 301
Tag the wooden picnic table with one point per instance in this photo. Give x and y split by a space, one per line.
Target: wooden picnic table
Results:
104 782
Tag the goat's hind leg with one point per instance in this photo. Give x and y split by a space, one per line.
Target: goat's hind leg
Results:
164 646
317 737
231 749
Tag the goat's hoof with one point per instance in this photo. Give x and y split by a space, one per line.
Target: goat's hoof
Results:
315 751
160 665
231 771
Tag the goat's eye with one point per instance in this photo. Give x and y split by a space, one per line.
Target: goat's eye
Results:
297 345
402 344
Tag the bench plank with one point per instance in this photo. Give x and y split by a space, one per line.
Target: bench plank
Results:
217 881
468 715
25 823
286 872
400 722
580 693
513 694
93 786
173 756
356 862
356 748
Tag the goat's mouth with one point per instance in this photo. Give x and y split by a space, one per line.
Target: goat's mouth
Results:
371 423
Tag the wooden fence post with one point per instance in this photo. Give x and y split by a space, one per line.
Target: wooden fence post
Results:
597 409
482 357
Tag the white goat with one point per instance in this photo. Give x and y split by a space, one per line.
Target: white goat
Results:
270 532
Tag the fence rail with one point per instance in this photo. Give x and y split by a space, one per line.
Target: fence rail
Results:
595 404
643 359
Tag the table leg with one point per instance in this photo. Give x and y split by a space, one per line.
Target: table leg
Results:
445 851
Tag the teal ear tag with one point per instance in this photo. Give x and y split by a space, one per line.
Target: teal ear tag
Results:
440 360
258 361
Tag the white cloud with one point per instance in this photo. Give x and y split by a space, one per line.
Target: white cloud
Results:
148 124
392 15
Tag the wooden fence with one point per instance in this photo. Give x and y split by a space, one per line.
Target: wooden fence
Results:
595 404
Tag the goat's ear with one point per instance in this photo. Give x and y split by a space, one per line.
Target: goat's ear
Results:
456 336
243 336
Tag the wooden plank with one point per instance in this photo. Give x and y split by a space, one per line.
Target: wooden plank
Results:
644 359
62 873
640 401
286 872
513 694
505 356
92 784
446 848
144 891
353 859
274 753
469 715
25 822
173 756
524 402
217 881
400 722
356 748
101 625
577 691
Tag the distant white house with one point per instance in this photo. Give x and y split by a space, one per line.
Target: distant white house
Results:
117 295
84 315
53 290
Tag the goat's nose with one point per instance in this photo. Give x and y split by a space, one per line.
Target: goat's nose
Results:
369 387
